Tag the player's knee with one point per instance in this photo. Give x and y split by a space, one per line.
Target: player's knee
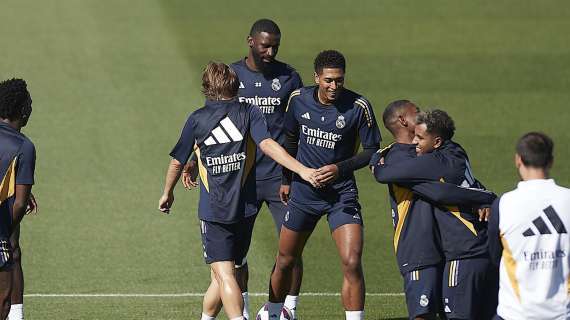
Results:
16 254
285 262
352 264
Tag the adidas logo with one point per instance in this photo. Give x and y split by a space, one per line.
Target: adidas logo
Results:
306 116
542 227
241 86
224 133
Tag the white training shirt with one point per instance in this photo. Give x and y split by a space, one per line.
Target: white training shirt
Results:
533 224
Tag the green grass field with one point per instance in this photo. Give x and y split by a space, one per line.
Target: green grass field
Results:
113 82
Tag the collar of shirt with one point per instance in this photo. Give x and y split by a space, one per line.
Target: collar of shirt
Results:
214 103
535 183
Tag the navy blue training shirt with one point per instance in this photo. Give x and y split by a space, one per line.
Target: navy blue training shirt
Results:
17 166
270 92
462 234
224 135
328 134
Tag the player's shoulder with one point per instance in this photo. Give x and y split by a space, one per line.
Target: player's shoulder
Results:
283 69
357 101
238 65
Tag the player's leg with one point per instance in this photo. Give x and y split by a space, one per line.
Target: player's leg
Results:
212 303
345 221
221 242
244 234
230 293
5 277
464 289
270 193
422 288
297 227
17 296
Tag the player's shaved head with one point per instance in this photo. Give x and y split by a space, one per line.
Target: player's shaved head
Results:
264 25
536 150
393 112
329 59
15 101
438 123
219 81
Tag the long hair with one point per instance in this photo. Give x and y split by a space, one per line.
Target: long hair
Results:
219 81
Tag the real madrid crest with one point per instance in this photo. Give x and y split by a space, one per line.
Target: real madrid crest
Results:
276 85
340 123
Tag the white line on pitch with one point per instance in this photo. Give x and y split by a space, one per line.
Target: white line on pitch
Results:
188 294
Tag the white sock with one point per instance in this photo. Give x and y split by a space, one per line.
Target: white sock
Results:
245 305
207 317
355 315
237 318
16 312
291 304
274 309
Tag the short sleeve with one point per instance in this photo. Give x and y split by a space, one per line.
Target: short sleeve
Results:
26 163
257 125
297 82
290 122
368 128
185 145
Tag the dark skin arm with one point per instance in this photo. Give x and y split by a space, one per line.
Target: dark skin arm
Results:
23 192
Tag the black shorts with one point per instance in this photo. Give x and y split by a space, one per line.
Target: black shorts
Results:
338 214
227 242
422 288
268 192
470 289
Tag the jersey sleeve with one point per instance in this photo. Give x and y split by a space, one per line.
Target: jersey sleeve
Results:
451 194
367 127
26 163
493 234
297 81
258 125
291 124
185 145
420 169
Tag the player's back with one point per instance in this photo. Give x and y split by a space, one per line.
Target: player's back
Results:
462 234
534 269
224 135
416 238
11 144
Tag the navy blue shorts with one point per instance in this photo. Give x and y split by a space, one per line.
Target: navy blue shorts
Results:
268 192
422 288
470 289
338 214
227 242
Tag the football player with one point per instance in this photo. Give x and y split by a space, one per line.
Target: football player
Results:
223 134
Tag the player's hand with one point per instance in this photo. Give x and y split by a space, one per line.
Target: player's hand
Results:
484 214
190 175
327 174
284 191
32 205
165 203
309 176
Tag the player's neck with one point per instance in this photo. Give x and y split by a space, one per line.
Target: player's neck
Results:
250 63
14 124
323 100
530 173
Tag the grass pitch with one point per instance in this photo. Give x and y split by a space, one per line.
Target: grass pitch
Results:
112 84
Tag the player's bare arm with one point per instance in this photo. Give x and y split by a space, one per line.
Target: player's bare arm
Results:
277 153
172 176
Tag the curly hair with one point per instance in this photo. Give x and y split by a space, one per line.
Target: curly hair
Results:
536 150
264 25
329 59
14 99
438 122
219 81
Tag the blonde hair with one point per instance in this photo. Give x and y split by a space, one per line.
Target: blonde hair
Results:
219 81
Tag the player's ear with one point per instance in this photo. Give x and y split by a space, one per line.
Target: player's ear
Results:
250 41
518 161
316 78
437 142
